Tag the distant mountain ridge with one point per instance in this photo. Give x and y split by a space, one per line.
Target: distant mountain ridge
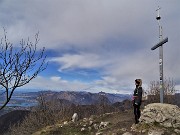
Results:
86 98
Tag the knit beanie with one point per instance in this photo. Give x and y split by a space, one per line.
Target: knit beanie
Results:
138 81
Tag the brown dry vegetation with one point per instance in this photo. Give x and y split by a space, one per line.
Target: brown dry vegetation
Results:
56 111
154 91
120 122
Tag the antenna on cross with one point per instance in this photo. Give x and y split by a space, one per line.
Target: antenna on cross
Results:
158 16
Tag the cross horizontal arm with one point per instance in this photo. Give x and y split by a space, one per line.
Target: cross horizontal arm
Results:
160 43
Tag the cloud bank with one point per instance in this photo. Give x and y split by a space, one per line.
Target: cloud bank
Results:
107 42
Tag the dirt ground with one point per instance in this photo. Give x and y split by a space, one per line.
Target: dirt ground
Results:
121 122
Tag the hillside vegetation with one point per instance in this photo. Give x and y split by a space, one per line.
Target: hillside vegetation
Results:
156 119
117 123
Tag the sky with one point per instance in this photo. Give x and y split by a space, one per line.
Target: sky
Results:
96 45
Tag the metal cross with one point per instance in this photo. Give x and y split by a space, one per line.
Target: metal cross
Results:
160 46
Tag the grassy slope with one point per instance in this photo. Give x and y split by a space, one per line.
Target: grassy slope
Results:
118 122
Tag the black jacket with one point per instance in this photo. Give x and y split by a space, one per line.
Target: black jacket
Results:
138 93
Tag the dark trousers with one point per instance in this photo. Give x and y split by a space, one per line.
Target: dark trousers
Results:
137 113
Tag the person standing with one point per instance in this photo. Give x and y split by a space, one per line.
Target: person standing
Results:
137 99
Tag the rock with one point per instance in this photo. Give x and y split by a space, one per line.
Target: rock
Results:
96 126
159 118
166 115
90 128
103 124
59 125
123 129
127 133
99 133
75 117
90 123
65 122
154 132
167 123
85 119
83 129
134 128
176 125
177 131
144 130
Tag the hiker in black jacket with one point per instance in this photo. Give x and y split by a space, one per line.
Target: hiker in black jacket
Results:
137 99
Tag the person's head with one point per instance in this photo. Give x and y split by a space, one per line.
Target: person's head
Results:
138 82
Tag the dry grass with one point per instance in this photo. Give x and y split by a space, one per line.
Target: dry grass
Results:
120 122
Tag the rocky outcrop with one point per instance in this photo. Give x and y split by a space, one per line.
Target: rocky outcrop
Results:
159 119
127 133
166 115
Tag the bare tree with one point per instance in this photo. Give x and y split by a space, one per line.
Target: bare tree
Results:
154 91
19 65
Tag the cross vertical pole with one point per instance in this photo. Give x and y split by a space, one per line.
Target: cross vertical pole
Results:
160 59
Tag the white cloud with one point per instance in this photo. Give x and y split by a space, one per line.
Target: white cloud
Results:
83 23
75 22
91 28
119 72
55 78
55 83
84 60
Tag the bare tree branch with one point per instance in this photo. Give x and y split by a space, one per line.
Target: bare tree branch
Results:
19 65
154 91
